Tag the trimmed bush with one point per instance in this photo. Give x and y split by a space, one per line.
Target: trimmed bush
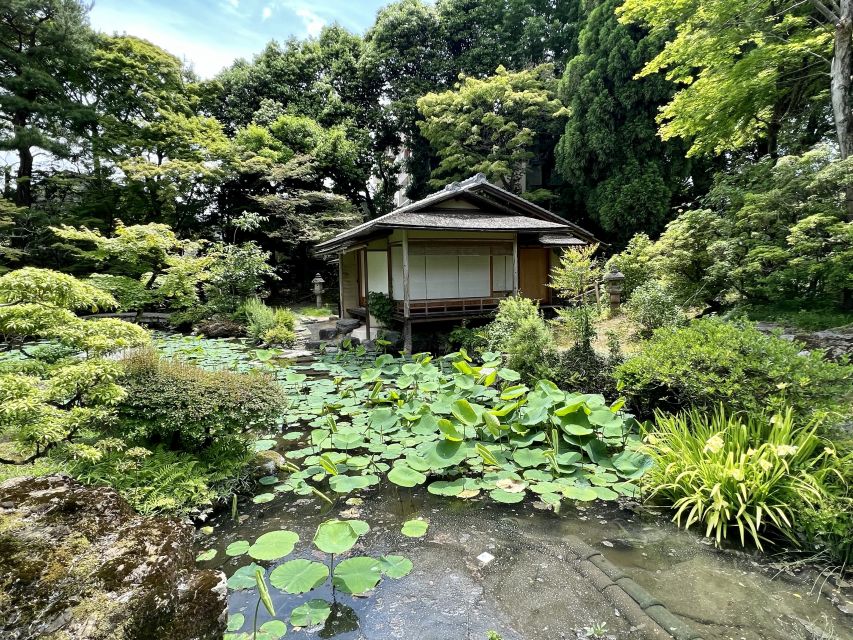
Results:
652 306
711 362
187 408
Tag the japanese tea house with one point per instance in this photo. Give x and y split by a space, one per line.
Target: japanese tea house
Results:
452 255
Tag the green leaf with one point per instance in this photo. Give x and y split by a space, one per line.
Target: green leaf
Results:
463 411
529 457
299 576
244 577
345 484
405 476
449 430
357 575
395 566
236 622
273 545
335 536
584 494
501 495
310 613
272 630
415 528
204 556
263 497
237 548
444 488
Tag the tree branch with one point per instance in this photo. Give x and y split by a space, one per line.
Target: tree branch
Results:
825 11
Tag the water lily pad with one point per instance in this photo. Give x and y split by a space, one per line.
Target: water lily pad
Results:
335 536
273 545
299 576
445 488
415 528
357 575
244 577
237 548
501 495
584 494
604 493
236 622
271 630
263 497
263 445
345 484
359 526
395 566
268 480
529 457
204 556
405 476
310 613
511 485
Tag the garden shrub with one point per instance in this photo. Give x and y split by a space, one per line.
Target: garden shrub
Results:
711 362
464 337
272 325
520 332
581 368
724 472
653 306
188 408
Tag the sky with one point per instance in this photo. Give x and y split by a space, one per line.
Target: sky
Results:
210 34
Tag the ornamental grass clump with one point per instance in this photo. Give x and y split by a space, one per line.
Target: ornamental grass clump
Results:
723 471
271 325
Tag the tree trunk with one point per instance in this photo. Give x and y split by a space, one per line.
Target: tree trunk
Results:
841 72
23 187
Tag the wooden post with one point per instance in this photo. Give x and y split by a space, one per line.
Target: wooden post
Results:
407 322
341 284
515 265
366 296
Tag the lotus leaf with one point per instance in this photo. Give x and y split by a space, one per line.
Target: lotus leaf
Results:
415 528
310 613
273 545
299 576
357 575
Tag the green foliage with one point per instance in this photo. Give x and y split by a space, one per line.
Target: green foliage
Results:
827 524
188 408
581 368
47 403
381 307
464 337
237 273
490 125
614 164
577 272
635 263
159 480
746 72
711 362
652 307
272 325
731 473
772 232
130 293
520 331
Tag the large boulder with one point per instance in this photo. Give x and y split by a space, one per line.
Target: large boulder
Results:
77 562
346 325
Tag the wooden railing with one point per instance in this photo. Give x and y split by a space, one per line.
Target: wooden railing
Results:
448 306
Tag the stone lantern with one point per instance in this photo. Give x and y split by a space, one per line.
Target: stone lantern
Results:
613 284
318 283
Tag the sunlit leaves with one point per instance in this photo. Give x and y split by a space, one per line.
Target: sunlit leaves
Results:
415 528
335 536
310 613
273 545
395 566
299 576
357 575
405 476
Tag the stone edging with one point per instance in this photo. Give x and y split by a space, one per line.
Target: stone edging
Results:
638 605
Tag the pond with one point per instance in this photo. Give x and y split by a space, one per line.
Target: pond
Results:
521 570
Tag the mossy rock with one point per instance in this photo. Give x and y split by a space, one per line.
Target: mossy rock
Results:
77 562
